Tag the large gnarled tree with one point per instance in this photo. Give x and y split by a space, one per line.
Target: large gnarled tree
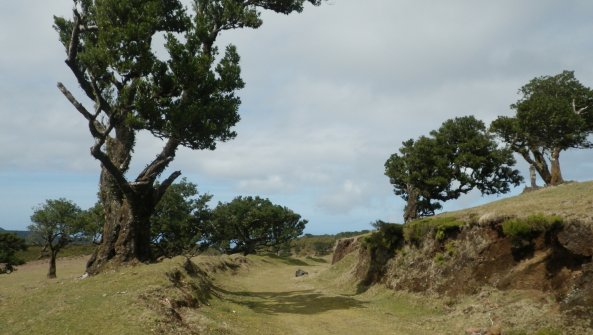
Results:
458 157
186 99
555 113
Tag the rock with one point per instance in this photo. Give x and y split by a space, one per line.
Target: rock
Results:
5 268
577 238
300 273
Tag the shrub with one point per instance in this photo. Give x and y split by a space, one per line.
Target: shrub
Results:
529 227
435 227
10 244
381 245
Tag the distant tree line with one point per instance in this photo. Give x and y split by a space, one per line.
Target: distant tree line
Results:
182 224
554 113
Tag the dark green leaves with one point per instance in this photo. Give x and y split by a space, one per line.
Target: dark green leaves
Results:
458 157
248 223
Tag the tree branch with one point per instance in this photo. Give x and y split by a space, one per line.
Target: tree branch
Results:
162 188
160 163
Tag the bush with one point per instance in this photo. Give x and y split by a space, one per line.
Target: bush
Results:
435 227
382 245
530 227
10 244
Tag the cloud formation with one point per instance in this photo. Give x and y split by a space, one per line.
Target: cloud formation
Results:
330 94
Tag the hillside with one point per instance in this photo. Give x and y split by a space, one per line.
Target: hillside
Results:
539 242
572 201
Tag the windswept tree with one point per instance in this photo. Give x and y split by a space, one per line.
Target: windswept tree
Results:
458 157
187 98
54 224
555 113
179 219
249 223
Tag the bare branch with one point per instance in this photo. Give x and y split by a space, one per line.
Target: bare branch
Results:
574 108
79 107
160 163
162 188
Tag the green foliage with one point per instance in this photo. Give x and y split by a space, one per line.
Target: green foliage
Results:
10 244
381 245
55 223
388 236
458 157
91 222
179 218
248 223
555 113
530 227
435 227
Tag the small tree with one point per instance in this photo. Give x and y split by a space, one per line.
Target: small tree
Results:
458 157
248 223
54 224
179 219
555 113
10 244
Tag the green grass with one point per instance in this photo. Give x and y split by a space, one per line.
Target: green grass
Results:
570 201
531 226
433 227
33 252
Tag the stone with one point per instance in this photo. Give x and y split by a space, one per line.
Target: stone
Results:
300 273
577 238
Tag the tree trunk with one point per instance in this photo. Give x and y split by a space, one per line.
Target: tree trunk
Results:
52 264
539 163
126 234
556 175
411 209
532 176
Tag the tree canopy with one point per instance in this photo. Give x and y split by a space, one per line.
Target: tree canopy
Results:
248 223
54 224
186 98
10 244
554 113
458 157
179 219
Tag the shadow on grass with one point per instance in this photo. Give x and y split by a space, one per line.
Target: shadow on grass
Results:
288 260
316 259
305 302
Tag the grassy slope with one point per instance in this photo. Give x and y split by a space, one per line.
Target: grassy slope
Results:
263 298
570 201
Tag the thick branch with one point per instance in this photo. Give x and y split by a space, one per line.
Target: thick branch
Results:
162 188
160 163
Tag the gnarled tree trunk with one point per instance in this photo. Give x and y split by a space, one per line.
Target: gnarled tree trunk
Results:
411 209
556 175
52 264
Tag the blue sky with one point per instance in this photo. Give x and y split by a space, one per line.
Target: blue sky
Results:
330 94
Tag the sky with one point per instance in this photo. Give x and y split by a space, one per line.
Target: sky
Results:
330 94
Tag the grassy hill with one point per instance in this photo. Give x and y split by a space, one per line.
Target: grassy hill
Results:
569 201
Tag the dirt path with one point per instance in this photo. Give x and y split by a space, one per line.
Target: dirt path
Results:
268 299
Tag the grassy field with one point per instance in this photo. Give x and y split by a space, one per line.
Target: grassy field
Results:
258 295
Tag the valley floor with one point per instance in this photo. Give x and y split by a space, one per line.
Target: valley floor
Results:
257 295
